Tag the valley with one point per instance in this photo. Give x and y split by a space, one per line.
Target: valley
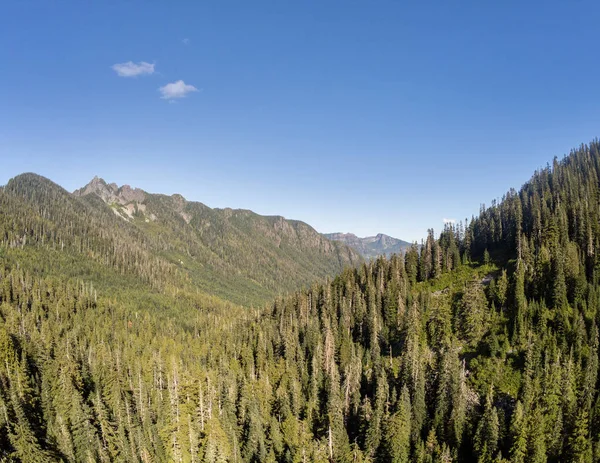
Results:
126 336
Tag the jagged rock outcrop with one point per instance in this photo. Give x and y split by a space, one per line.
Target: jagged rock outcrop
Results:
111 193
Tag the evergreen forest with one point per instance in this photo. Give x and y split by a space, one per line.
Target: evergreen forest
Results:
129 338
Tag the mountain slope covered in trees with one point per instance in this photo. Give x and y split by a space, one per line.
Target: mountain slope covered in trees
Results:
371 247
481 345
165 240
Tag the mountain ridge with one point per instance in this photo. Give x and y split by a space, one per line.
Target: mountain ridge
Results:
234 254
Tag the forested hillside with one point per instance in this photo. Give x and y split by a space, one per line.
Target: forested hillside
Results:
481 345
166 241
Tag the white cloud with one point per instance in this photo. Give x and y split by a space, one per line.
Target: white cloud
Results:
186 41
177 89
131 69
449 220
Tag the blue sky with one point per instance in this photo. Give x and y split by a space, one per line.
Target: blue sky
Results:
362 117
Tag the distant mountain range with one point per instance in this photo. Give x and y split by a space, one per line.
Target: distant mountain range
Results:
371 246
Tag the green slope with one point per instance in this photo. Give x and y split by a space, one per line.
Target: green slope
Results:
479 346
234 254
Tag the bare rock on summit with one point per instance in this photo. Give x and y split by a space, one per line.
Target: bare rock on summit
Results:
111 193
131 194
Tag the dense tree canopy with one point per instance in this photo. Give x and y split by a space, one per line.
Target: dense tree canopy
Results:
479 345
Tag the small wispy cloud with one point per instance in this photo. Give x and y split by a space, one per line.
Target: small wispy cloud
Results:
131 69
445 220
177 89
186 41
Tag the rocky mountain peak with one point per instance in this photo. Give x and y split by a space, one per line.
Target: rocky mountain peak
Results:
131 194
111 193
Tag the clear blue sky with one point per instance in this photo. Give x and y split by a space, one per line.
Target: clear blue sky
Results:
365 117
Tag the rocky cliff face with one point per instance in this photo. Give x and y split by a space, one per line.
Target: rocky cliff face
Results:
111 193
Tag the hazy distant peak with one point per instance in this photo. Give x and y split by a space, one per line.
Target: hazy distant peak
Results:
339 236
371 246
